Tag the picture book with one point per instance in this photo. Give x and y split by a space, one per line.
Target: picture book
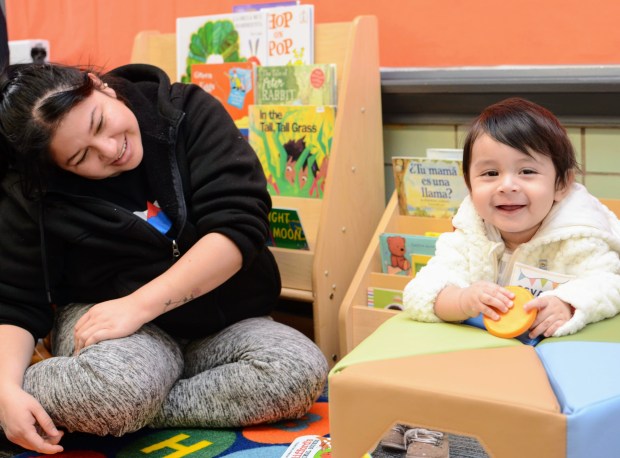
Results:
536 280
385 298
296 85
444 153
232 84
290 35
293 143
311 446
259 6
405 254
428 187
286 230
233 37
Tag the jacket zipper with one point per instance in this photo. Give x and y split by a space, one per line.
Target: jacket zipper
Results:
175 250
508 269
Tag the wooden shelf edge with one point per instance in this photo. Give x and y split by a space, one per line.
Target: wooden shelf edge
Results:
297 294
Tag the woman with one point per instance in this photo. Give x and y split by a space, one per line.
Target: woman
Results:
136 207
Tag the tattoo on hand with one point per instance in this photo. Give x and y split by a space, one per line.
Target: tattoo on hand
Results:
170 304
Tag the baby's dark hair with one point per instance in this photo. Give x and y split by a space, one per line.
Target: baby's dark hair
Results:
34 98
527 127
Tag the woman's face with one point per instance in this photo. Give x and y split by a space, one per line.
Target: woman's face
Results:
99 138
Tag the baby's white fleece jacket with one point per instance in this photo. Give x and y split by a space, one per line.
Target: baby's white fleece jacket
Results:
579 237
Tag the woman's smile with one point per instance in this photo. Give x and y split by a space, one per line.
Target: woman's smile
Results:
98 138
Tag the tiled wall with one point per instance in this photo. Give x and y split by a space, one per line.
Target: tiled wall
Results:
597 150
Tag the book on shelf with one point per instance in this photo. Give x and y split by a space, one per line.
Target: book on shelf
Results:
313 84
290 35
428 187
232 83
445 153
293 143
405 254
282 35
259 6
286 230
217 38
385 298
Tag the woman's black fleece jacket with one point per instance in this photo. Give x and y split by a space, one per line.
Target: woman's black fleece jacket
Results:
71 247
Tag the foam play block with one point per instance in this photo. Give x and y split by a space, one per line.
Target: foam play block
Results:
586 379
400 336
499 395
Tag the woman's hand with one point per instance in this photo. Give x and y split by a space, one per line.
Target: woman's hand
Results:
26 423
486 298
553 312
205 266
108 320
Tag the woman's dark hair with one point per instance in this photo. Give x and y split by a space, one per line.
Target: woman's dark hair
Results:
34 98
527 127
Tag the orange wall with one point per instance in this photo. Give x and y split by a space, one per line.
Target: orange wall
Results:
412 33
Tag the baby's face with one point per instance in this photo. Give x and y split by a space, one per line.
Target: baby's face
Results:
511 190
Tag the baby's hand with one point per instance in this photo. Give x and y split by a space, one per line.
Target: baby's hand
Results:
486 298
552 313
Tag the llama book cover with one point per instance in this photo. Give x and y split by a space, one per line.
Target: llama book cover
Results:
232 84
232 37
296 85
428 187
293 143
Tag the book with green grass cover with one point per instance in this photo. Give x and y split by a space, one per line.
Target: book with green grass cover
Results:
296 85
293 143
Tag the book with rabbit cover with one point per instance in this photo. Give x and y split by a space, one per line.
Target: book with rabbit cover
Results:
296 85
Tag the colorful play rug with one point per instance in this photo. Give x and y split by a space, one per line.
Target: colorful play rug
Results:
268 441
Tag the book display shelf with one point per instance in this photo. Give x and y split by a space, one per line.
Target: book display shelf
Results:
357 319
339 226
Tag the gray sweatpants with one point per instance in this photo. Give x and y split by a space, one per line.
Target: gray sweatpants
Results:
254 371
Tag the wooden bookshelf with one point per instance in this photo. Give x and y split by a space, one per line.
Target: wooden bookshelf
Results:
339 226
357 319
